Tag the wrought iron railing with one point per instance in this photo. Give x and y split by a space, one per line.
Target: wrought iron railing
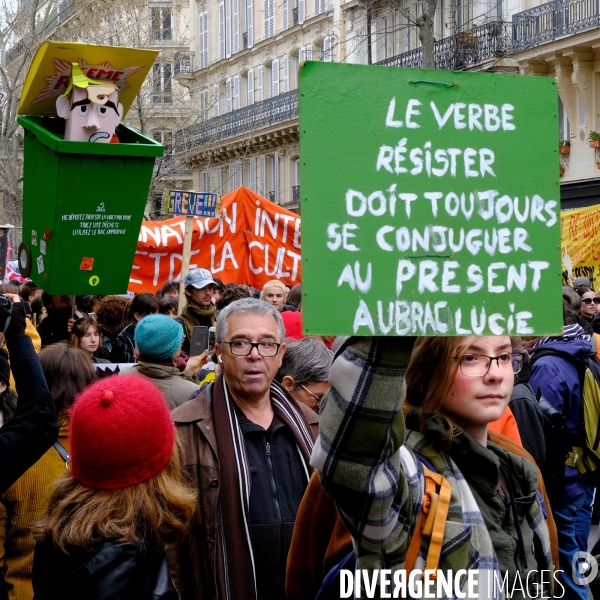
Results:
184 63
295 194
245 120
462 50
553 20
66 9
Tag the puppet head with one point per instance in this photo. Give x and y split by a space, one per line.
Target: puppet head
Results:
91 108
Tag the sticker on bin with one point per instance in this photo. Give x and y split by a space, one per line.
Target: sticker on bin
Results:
40 264
94 280
34 238
87 264
43 247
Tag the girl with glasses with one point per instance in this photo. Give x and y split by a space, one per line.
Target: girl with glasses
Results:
393 407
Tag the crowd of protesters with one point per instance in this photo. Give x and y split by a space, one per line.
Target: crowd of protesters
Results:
135 468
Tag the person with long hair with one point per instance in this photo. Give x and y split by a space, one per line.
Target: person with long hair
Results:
122 502
68 371
124 347
370 454
86 335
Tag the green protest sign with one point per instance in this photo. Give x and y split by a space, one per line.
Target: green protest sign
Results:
430 202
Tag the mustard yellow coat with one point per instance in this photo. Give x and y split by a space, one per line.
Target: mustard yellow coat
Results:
21 507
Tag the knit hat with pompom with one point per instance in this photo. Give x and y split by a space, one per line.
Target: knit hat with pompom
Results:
121 433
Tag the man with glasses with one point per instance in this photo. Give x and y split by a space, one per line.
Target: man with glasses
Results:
247 447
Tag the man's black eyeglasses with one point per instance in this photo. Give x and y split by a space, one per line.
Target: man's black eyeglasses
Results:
242 348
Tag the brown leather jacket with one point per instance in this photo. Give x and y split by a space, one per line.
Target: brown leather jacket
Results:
321 540
200 570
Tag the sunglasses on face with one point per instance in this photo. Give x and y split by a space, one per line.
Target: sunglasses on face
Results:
590 300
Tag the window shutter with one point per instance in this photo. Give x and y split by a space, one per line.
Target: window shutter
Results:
228 95
252 174
301 11
217 93
220 180
276 176
375 45
275 78
301 55
286 73
269 18
202 24
236 26
204 104
250 88
250 23
285 11
327 49
309 52
206 181
156 82
230 177
221 30
323 6
261 95
236 92
167 82
238 174
262 176
205 48
227 28
317 7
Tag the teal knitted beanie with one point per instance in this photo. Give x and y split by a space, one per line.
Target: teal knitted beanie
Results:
158 337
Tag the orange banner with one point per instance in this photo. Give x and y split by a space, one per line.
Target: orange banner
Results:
580 234
253 241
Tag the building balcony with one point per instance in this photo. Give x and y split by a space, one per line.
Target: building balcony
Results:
246 122
552 21
184 64
462 50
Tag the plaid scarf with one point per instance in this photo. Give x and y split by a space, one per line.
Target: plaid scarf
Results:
236 482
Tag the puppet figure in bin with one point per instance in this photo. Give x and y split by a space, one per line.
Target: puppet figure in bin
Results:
90 107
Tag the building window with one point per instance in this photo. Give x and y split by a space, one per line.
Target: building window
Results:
166 139
162 84
161 23
206 181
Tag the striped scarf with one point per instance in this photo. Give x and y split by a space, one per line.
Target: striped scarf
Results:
236 482
571 332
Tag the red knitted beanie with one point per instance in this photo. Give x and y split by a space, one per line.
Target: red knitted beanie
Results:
120 433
